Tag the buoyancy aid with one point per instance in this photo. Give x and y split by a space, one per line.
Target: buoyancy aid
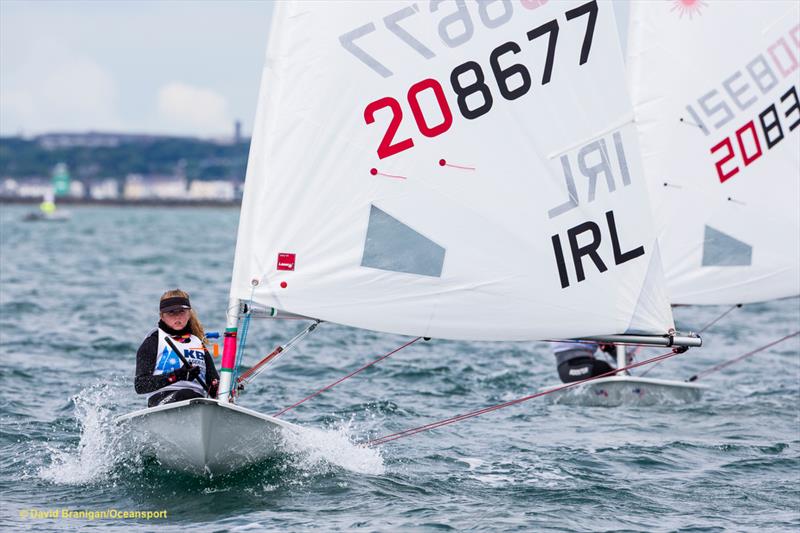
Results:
167 361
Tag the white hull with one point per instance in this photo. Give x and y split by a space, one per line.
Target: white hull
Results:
628 390
206 436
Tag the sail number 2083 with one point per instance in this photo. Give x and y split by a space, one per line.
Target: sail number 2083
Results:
477 106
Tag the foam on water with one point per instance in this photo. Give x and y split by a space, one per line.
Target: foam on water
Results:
102 446
99 448
473 462
314 449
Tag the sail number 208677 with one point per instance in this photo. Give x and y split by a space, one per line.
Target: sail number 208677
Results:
477 85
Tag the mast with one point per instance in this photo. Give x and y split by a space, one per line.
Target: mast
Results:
621 357
229 351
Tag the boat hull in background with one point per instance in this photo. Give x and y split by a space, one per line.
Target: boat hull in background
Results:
628 390
205 436
58 216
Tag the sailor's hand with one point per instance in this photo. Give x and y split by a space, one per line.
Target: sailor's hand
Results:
184 373
213 388
608 348
178 375
192 373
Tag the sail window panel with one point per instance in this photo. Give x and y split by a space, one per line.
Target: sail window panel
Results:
393 246
720 249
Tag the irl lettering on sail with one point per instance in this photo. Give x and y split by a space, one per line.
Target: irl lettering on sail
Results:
596 151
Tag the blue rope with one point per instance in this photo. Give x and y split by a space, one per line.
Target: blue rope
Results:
240 352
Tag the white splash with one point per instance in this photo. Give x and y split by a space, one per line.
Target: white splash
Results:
315 448
99 447
472 462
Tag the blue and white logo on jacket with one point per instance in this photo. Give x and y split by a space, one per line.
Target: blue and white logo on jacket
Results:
168 361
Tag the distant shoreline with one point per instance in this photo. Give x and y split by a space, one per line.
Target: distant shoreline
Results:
124 203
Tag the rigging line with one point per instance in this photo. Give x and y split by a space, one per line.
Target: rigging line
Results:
718 318
259 367
643 374
242 340
351 374
240 353
729 362
472 414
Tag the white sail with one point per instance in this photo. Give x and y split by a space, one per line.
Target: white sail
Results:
715 89
449 169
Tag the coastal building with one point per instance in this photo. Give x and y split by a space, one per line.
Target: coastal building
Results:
217 190
8 187
107 189
53 141
76 189
154 187
32 188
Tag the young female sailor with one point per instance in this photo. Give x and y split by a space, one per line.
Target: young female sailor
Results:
159 371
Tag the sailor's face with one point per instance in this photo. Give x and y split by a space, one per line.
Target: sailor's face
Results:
176 319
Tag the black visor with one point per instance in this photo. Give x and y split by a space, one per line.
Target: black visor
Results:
175 303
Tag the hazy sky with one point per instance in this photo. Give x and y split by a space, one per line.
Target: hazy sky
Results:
187 67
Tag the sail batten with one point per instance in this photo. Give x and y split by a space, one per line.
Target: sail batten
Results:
399 180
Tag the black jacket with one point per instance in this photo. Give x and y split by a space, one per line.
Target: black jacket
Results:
146 356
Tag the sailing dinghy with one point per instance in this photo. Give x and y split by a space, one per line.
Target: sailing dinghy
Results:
205 435
452 170
47 211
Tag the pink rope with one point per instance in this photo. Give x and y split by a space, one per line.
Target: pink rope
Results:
472 414
427 427
729 362
643 374
351 374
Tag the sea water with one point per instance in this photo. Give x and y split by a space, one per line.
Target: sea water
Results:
77 298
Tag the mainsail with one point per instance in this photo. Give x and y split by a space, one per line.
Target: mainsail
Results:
449 169
715 90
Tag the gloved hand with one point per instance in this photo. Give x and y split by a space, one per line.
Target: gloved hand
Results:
609 349
213 388
188 373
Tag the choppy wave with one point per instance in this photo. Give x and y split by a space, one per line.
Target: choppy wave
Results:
100 447
72 313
